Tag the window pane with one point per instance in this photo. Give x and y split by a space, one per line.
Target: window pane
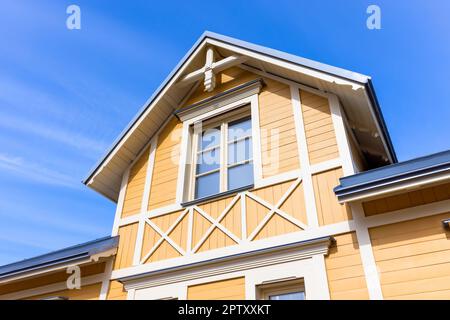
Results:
240 176
208 161
289 296
209 138
239 128
239 151
207 185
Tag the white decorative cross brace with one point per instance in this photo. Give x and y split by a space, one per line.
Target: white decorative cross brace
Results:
210 69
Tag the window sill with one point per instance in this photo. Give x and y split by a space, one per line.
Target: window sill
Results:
217 196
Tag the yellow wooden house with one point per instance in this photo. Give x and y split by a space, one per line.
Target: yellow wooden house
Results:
255 174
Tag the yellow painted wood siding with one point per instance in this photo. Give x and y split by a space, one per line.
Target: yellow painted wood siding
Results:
329 210
90 292
407 200
127 242
345 272
319 130
135 187
413 258
231 289
116 291
279 151
48 279
165 173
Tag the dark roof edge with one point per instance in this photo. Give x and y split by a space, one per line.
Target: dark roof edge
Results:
359 189
380 119
75 253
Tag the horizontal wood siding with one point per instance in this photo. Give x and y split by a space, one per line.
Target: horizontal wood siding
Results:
135 187
319 130
413 258
279 150
345 272
127 242
90 292
165 173
232 289
48 279
329 210
407 200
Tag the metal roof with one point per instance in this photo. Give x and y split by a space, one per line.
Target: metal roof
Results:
76 252
307 63
389 175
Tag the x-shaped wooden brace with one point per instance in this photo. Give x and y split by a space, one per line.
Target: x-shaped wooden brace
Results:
216 223
276 209
165 236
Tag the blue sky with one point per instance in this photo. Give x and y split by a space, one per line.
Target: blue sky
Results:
66 94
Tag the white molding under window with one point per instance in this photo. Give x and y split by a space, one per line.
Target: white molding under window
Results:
295 261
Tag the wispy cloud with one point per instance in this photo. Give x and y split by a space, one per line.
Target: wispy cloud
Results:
50 218
35 172
56 134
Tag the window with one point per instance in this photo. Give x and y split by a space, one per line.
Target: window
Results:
223 157
295 295
286 290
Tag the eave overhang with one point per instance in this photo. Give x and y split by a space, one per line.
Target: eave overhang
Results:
395 178
353 89
84 253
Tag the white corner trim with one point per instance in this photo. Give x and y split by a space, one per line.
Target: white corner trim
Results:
105 282
123 190
302 146
341 135
319 289
145 200
366 253
184 153
256 140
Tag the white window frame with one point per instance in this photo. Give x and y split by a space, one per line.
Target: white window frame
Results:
222 122
280 288
186 179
